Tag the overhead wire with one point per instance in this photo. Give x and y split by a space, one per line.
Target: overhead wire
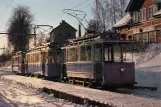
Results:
5 10
71 8
6 7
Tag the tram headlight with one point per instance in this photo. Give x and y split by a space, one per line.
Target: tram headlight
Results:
122 69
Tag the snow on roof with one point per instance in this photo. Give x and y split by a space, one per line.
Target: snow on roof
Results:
124 21
157 1
157 13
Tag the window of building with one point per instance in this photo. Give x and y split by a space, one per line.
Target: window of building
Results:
146 37
135 37
143 14
135 16
152 37
152 10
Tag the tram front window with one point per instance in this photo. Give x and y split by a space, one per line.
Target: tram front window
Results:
108 53
113 53
117 53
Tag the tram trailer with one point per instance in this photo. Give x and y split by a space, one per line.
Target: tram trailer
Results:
18 65
44 63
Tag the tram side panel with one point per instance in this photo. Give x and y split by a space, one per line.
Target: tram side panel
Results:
80 70
34 63
118 74
81 63
53 70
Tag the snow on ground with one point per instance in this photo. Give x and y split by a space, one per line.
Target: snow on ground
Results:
5 103
23 96
148 68
106 97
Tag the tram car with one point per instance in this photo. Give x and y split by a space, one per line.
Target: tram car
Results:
43 61
18 65
99 62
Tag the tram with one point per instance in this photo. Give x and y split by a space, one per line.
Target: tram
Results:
101 62
43 61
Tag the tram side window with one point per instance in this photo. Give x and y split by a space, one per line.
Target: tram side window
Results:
29 56
71 56
98 52
85 53
78 53
46 57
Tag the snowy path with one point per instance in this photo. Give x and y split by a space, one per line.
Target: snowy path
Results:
12 94
5 103
106 97
22 97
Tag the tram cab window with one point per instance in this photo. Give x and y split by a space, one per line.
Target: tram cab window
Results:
113 53
117 53
97 52
85 53
108 53
127 54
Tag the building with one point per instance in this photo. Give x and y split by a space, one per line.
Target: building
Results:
62 33
142 22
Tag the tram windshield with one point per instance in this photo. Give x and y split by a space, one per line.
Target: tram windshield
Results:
116 53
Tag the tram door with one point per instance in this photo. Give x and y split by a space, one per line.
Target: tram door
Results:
52 67
44 62
114 69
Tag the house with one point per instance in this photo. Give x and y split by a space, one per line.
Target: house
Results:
142 22
62 33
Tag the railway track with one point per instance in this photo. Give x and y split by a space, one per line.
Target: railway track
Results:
8 101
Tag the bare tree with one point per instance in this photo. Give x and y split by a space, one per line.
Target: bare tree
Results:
123 4
108 12
20 28
101 15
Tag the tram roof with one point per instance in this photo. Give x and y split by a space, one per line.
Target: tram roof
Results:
101 42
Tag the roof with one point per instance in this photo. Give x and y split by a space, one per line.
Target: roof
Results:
124 21
157 1
135 5
157 14
62 23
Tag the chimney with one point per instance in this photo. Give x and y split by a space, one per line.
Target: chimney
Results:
63 21
80 30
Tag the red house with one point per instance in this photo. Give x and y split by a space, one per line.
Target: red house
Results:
142 22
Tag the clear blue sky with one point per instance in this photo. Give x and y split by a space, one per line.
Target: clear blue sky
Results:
45 11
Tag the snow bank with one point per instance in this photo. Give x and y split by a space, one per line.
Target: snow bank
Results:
148 68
